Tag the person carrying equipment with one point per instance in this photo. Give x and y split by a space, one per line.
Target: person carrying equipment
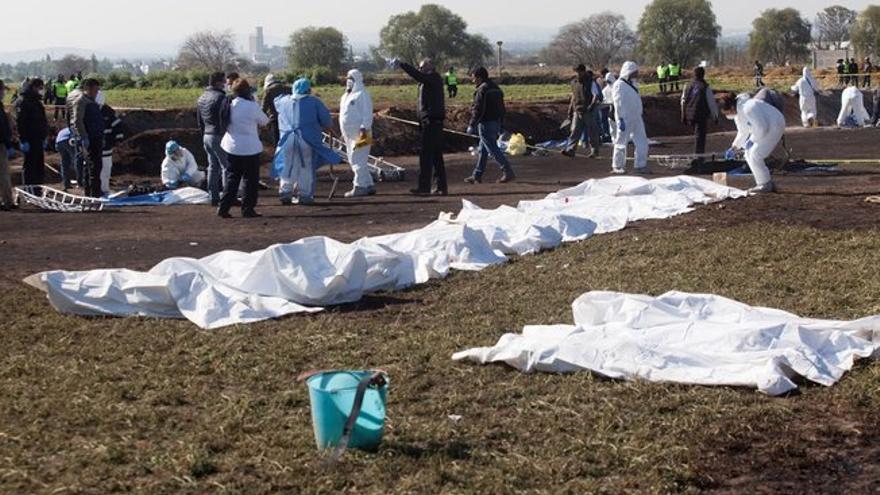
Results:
356 126
662 75
179 168
760 125
807 88
628 118
674 76
451 81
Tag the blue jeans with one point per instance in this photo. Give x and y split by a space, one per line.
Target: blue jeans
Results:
217 166
68 163
489 132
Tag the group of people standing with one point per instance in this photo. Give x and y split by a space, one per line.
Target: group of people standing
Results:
849 72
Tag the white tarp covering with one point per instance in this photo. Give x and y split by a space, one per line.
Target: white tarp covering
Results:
688 338
182 196
234 287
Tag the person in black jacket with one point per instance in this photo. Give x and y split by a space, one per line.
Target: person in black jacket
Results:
432 113
272 89
5 153
33 129
697 106
486 118
93 142
210 105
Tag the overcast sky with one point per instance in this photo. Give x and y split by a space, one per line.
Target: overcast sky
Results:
126 25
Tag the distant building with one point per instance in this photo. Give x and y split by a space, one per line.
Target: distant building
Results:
256 44
259 53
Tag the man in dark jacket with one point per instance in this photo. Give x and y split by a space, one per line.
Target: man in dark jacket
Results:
876 114
5 154
486 118
113 133
210 105
697 105
582 112
432 113
272 89
93 140
33 129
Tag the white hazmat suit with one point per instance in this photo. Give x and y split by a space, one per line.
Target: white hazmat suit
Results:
356 117
760 127
852 103
628 120
181 169
806 87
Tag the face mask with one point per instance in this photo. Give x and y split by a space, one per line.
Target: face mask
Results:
41 92
349 85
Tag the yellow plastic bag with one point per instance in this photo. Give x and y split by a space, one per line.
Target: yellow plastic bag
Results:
517 145
365 139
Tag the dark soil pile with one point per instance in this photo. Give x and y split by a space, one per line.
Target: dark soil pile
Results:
143 153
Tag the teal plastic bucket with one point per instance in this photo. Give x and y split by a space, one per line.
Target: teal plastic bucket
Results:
332 394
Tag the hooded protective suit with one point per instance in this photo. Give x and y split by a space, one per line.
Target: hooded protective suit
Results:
355 119
760 127
806 87
180 169
301 151
608 98
628 120
852 104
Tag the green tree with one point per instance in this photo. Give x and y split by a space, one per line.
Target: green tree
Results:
833 25
780 36
434 32
866 31
318 47
680 31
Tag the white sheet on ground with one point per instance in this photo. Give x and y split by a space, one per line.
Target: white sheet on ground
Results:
182 196
688 338
234 287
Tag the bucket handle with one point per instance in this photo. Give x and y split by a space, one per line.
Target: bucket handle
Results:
376 379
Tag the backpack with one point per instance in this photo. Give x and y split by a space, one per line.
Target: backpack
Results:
771 97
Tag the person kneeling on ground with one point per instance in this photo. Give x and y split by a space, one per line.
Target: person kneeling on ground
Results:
630 125
356 123
179 169
760 126
852 107
486 118
301 151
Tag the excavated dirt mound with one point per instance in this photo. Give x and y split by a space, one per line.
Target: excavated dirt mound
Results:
143 153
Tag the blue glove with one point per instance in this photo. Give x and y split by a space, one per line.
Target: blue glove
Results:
470 130
85 142
621 125
730 155
25 147
185 177
171 185
748 144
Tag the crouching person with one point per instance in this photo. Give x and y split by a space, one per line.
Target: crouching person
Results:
179 168
760 126
301 150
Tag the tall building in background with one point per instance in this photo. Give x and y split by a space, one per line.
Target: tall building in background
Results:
256 43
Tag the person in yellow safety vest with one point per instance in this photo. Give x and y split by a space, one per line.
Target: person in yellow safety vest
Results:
451 80
674 76
72 84
662 75
59 89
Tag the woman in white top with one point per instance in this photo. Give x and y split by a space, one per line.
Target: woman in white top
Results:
243 146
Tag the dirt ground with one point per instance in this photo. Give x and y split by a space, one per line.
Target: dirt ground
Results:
33 240
99 405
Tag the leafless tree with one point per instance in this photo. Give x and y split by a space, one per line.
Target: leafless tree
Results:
594 41
834 24
208 50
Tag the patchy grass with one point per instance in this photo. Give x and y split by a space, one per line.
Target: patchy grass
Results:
100 405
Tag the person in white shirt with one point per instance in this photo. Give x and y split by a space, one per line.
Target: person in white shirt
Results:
243 147
356 123
179 168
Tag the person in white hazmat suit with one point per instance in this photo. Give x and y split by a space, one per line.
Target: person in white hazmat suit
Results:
807 88
760 127
628 120
356 125
608 98
852 108
179 169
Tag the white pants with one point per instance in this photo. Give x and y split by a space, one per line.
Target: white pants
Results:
359 160
857 109
635 132
196 178
808 110
106 170
758 152
297 176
